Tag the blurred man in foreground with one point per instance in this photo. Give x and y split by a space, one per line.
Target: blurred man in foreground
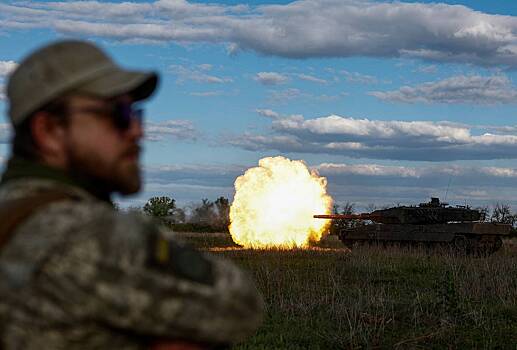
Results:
75 273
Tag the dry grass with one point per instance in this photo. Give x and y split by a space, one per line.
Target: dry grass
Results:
373 298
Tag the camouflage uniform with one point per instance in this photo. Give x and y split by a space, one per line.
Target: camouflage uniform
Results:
79 275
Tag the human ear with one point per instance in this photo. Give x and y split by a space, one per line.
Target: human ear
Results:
48 135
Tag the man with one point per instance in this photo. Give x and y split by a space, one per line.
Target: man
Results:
75 273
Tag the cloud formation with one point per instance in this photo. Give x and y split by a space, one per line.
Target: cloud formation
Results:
5 133
362 184
312 79
429 69
187 183
300 29
387 185
268 113
197 74
282 96
7 67
502 130
379 139
270 78
473 89
443 171
171 129
206 93
354 77
341 173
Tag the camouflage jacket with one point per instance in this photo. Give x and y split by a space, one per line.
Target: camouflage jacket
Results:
80 275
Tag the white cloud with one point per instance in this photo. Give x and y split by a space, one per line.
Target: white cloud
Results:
226 174
499 172
5 133
81 9
268 113
367 170
327 98
270 78
386 185
205 66
206 93
196 74
300 29
312 79
376 170
285 95
171 129
505 129
362 184
378 139
6 67
458 89
429 69
355 77
282 96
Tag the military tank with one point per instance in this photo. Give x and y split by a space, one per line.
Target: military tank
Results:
431 224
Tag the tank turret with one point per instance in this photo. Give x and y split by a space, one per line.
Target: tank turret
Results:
433 212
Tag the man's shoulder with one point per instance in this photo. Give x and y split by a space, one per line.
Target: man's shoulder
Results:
73 223
75 213
28 186
49 205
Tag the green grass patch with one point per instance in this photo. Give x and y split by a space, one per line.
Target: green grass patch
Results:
378 298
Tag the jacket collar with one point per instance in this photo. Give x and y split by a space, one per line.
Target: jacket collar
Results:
18 168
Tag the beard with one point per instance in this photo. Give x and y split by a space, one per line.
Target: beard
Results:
122 174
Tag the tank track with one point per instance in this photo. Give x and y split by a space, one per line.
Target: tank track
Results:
473 245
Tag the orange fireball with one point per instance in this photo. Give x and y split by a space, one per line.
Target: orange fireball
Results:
274 204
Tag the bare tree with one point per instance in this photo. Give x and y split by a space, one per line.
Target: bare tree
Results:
222 208
371 207
204 213
502 213
348 208
485 212
339 224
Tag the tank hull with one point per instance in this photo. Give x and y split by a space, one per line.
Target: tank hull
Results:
468 237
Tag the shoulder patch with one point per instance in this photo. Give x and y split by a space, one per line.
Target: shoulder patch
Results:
177 259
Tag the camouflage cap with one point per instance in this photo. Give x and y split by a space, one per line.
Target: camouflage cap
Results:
71 66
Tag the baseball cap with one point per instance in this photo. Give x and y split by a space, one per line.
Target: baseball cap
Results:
71 66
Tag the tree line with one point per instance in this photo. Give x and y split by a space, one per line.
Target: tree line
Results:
205 216
214 216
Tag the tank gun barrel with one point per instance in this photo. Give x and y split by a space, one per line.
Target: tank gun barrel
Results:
362 216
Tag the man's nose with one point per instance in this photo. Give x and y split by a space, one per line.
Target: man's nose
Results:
135 131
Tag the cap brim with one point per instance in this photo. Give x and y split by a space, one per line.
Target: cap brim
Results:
116 82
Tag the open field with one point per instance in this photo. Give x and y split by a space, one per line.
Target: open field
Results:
372 298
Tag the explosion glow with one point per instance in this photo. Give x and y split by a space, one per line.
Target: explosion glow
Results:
274 204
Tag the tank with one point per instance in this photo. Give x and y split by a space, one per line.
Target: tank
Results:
432 224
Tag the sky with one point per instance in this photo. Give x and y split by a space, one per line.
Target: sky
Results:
392 101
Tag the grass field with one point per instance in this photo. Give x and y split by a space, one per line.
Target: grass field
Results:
329 297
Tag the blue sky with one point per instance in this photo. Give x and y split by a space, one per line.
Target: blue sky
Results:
391 101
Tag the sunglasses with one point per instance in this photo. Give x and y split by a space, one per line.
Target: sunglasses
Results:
121 113
124 113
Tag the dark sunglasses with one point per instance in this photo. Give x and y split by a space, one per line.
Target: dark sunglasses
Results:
124 113
121 113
